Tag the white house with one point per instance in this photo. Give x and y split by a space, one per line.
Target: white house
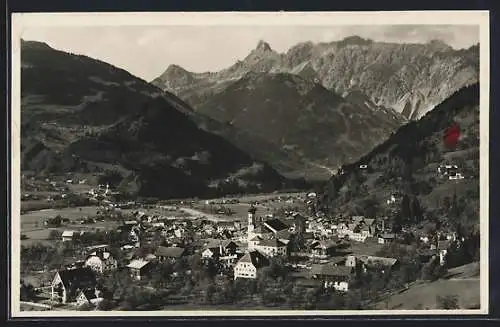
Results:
456 176
92 296
101 261
333 276
249 265
67 235
443 247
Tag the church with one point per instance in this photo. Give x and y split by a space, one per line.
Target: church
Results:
269 236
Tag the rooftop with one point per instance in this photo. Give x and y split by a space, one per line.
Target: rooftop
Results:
256 258
330 270
272 243
171 252
138 264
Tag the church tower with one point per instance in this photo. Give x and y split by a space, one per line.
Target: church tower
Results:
251 222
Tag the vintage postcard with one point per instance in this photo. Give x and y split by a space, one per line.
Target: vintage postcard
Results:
249 164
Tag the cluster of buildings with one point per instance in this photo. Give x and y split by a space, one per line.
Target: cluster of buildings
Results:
240 250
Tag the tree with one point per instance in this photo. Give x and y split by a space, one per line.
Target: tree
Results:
433 270
370 208
405 208
27 292
105 305
447 302
54 234
415 210
295 298
87 306
208 293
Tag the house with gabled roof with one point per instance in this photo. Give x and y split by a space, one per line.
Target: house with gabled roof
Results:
262 231
139 268
382 263
230 226
284 236
333 276
323 249
171 254
89 295
275 225
220 250
67 283
272 247
69 235
101 261
386 238
250 264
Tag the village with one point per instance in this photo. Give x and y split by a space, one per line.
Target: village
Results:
235 240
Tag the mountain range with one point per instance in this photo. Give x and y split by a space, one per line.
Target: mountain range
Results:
81 114
301 113
301 117
408 78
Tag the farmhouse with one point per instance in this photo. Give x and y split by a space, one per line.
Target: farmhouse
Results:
386 238
69 235
139 269
101 261
272 247
337 277
323 249
68 282
220 250
381 263
170 254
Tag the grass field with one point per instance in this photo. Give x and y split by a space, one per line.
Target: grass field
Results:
32 223
31 219
423 295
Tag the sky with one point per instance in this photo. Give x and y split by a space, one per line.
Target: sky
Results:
146 51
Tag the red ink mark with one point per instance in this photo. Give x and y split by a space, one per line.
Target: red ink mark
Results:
452 135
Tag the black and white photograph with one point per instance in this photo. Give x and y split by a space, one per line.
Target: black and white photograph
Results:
221 164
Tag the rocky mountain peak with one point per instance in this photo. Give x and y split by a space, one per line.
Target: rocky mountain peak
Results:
263 46
175 70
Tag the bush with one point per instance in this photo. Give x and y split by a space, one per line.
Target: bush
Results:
27 292
447 302
54 235
105 305
86 307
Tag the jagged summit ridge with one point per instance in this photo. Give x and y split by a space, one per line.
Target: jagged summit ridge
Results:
410 78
